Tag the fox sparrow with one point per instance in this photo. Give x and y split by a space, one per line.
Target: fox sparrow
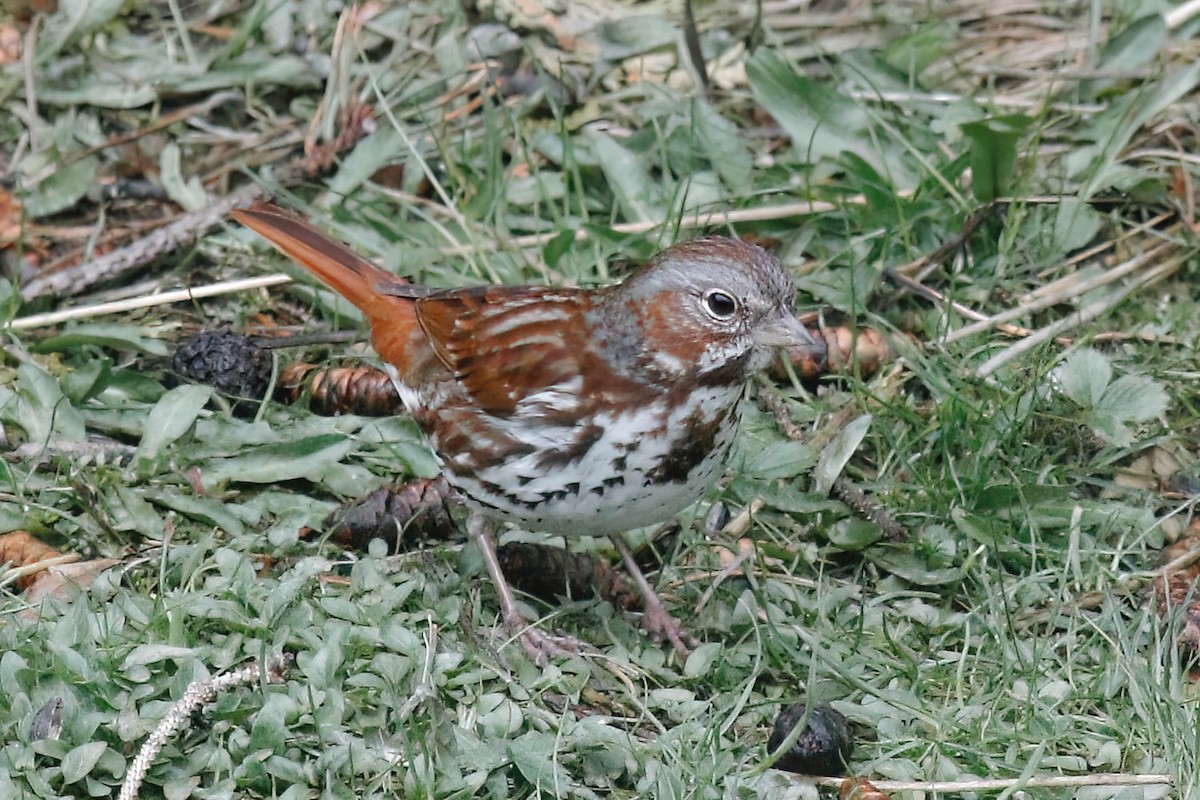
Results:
579 411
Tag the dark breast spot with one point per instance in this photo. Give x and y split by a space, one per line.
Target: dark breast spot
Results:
696 440
606 484
585 438
489 495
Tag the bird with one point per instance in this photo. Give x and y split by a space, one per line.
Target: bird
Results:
579 411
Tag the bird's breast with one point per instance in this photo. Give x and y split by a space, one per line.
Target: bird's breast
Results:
609 471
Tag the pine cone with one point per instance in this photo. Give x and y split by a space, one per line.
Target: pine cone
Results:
399 515
366 391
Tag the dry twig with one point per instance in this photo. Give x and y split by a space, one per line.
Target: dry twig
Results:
198 694
189 227
994 784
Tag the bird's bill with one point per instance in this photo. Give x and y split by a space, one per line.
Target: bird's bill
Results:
787 331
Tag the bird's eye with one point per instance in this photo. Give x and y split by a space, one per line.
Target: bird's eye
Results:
719 305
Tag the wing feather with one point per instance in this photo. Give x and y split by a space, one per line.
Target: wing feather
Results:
505 344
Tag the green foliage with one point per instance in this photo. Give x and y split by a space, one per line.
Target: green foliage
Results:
953 563
994 154
1086 377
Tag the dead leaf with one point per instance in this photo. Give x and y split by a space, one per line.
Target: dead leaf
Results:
1176 588
10 208
10 45
64 581
24 553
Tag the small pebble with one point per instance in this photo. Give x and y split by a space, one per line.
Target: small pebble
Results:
718 518
47 723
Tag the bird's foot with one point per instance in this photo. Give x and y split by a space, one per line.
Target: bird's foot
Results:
659 623
656 620
541 645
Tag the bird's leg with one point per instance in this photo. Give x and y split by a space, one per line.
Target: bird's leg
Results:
537 643
657 621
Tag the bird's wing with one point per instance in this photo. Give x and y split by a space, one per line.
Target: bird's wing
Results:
515 349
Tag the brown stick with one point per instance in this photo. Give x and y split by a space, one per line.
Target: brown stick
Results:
184 230
187 228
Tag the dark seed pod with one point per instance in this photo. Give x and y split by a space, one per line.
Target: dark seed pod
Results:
649 556
547 573
718 518
822 749
399 515
231 363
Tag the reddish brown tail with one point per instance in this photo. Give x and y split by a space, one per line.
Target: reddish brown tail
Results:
393 318
350 276
394 328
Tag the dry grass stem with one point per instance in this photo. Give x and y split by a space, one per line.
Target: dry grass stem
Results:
687 221
246 284
1084 315
1000 784
1064 293
147 301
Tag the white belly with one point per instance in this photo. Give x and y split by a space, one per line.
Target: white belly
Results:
620 482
